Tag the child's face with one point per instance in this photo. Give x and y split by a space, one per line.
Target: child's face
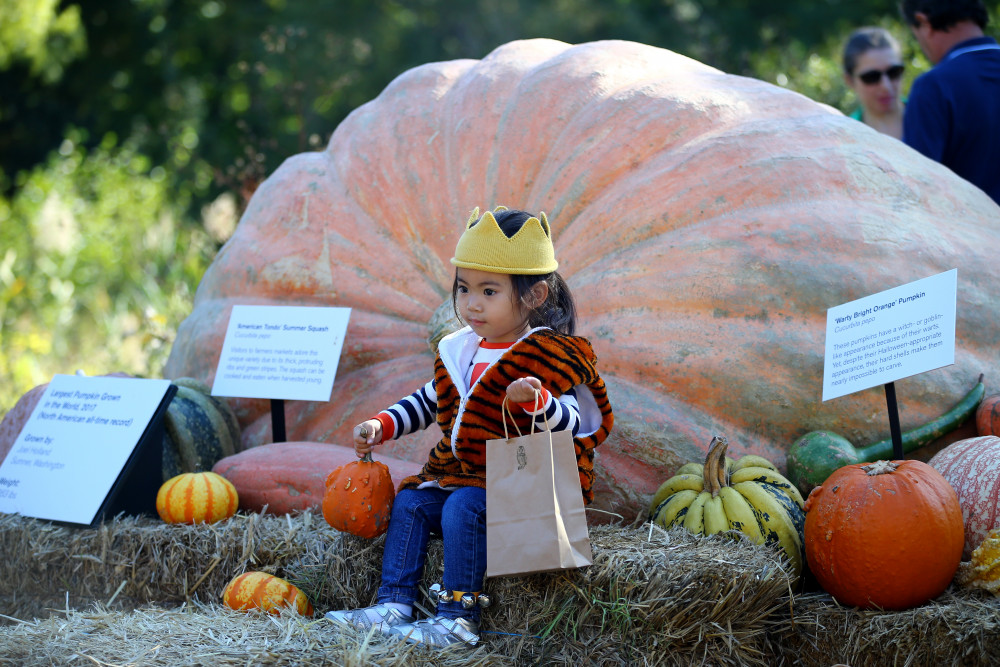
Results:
487 303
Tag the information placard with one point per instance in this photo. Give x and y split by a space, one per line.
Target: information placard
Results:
75 445
894 334
281 352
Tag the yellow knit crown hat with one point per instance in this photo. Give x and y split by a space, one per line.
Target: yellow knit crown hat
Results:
484 246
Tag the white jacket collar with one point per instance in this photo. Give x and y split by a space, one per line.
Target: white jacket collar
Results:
457 351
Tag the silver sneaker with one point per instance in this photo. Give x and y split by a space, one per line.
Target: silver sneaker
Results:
438 632
383 618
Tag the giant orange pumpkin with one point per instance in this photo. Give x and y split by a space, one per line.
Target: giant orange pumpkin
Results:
886 534
704 222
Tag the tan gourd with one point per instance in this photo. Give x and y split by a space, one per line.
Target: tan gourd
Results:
972 467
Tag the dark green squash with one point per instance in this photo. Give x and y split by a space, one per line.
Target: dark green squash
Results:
199 429
818 454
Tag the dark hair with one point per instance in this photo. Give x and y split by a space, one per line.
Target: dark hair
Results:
863 40
943 14
558 311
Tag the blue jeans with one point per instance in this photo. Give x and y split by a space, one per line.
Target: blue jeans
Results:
459 516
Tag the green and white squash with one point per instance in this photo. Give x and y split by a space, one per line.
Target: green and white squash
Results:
199 429
748 495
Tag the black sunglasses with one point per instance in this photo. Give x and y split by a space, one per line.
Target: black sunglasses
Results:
873 76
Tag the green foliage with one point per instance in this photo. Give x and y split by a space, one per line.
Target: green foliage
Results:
39 33
96 271
220 94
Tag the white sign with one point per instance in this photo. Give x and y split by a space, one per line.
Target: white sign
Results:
287 352
75 444
890 335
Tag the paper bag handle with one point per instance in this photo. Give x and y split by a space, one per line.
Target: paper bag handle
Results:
505 412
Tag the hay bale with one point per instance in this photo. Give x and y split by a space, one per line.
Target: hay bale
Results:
651 594
136 590
664 598
137 560
960 627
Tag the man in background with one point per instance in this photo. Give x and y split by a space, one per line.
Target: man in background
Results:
953 112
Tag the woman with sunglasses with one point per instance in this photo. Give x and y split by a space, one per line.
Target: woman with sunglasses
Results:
873 69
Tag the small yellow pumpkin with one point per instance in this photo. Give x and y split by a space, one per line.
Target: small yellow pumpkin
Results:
260 590
983 571
196 497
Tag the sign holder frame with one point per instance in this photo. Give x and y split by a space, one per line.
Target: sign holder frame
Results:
278 420
130 493
894 430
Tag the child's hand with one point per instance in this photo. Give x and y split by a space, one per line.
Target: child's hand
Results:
523 390
366 435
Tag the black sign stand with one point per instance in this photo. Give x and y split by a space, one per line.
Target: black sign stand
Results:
894 431
278 419
134 491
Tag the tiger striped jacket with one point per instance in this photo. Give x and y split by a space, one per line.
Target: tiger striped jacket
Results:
469 416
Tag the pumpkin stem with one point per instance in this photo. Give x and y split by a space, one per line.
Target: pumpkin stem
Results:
367 458
880 468
715 465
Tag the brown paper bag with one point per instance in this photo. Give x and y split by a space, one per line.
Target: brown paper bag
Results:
535 519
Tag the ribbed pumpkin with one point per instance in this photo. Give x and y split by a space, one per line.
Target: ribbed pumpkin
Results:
988 416
704 223
886 534
358 498
199 429
972 467
260 590
748 495
196 497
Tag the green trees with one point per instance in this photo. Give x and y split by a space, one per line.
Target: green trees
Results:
218 93
96 269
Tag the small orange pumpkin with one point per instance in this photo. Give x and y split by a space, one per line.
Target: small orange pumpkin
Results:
196 497
886 534
358 498
260 590
988 416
